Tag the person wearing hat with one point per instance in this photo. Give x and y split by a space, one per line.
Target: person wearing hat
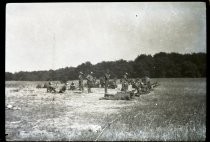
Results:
125 76
81 81
89 81
106 78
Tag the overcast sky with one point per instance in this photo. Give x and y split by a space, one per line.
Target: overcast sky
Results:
43 36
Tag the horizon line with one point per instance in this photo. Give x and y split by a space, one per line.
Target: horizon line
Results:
102 61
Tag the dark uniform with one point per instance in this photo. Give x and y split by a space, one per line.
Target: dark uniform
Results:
89 81
102 82
81 88
94 82
72 86
115 82
125 82
137 86
50 88
147 84
63 89
106 78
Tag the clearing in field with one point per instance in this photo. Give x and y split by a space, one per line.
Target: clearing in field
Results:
175 110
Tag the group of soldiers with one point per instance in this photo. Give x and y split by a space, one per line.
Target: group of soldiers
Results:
52 88
91 81
140 85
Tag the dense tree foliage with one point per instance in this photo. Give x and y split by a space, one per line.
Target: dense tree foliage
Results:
160 65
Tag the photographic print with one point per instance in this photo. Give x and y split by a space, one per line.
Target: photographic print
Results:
111 71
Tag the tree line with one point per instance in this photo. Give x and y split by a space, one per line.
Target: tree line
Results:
161 65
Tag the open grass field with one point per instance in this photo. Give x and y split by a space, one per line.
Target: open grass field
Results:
175 110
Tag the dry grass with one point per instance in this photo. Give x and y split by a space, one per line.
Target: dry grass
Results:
175 110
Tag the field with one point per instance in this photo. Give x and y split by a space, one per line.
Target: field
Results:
174 111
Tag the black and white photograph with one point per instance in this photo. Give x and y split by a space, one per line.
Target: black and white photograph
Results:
105 71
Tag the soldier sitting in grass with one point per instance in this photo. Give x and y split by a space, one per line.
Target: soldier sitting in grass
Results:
97 84
39 86
72 86
144 87
137 85
94 82
146 84
51 88
63 89
115 82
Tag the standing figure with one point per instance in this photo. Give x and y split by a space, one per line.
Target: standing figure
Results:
106 78
81 81
125 82
115 82
102 82
89 81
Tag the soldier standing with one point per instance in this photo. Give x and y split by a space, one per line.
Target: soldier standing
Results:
125 82
106 77
101 82
115 82
89 81
81 81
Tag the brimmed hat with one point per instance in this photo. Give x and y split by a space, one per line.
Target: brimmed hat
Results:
126 73
81 72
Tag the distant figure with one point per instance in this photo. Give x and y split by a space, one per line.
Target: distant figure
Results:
39 86
106 78
50 88
94 82
146 82
72 86
89 81
97 84
63 89
102 82
115 81
125 76
137 86
125 82
81 88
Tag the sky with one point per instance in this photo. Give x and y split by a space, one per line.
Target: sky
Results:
44 36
